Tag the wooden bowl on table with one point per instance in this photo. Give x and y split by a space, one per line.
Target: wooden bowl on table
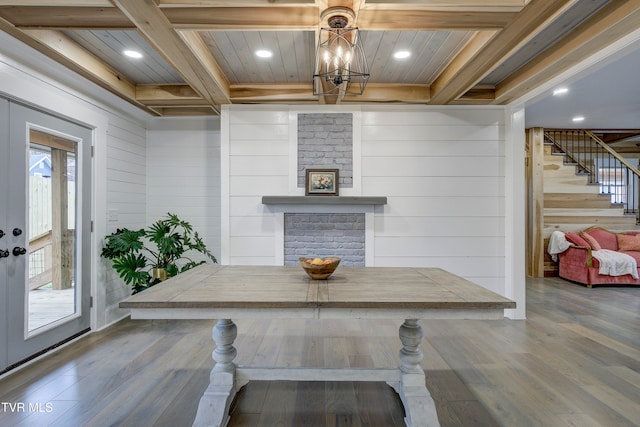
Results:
319 268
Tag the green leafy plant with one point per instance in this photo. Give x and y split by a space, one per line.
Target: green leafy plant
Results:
163 246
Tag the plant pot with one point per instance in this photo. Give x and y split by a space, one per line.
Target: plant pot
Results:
160 274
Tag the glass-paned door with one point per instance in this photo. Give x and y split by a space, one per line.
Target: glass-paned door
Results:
48 222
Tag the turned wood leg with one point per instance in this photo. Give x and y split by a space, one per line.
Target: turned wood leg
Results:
213 409
419 405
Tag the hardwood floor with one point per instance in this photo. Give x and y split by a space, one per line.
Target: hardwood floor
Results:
574 362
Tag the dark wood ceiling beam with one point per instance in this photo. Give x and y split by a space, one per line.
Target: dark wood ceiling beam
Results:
153 24
461 76
605 27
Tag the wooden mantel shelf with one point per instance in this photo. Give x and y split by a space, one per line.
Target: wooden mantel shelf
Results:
324 200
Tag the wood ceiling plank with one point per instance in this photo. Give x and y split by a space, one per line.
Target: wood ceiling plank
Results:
199 71
58 17
608 25
472 66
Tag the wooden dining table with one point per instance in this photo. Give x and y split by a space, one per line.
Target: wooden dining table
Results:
225 293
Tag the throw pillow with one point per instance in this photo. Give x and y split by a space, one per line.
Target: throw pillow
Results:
629 242
576 239
591 240
605 238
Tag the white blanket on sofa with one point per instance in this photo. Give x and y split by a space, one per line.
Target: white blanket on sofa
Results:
557 244
614 263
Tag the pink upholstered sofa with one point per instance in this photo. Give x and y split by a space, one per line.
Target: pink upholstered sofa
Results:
578 265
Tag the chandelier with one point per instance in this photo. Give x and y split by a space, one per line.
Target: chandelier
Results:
340 66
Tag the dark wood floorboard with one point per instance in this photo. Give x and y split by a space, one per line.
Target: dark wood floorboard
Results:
574 362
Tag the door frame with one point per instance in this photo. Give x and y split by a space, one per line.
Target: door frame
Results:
4 226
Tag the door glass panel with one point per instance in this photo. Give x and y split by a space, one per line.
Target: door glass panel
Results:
52 287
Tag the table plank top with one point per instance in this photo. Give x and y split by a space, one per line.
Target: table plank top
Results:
217 286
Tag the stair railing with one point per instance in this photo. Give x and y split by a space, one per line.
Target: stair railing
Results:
603 165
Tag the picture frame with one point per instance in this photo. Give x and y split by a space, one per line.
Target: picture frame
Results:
321 182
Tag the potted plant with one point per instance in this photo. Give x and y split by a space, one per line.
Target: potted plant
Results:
145 257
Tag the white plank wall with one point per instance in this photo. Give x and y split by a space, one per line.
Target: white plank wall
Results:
258 166
442 169
183 175
443 173
126 179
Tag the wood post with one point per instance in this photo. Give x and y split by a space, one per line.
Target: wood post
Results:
62 240
535 201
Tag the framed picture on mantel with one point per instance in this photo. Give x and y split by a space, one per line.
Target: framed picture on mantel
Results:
321 182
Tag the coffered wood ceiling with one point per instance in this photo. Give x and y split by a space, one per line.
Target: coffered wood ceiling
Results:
199 54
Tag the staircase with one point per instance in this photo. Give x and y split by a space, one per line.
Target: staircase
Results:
571 203
573 191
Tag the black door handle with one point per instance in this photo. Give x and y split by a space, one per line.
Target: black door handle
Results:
4 253
19 251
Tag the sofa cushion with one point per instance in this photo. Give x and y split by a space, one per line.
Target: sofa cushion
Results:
576 239
629 242
606 239
593 243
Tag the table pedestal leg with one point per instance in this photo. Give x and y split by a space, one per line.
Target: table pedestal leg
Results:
213 409
419 405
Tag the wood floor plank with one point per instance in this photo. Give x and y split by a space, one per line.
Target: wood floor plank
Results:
574 362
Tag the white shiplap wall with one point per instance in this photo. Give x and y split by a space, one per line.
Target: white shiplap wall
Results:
256 158
183 174
442 169
126 187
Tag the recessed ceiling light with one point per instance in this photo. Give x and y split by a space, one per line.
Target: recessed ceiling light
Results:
263 53
578 119
402 54
132 54
560 91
